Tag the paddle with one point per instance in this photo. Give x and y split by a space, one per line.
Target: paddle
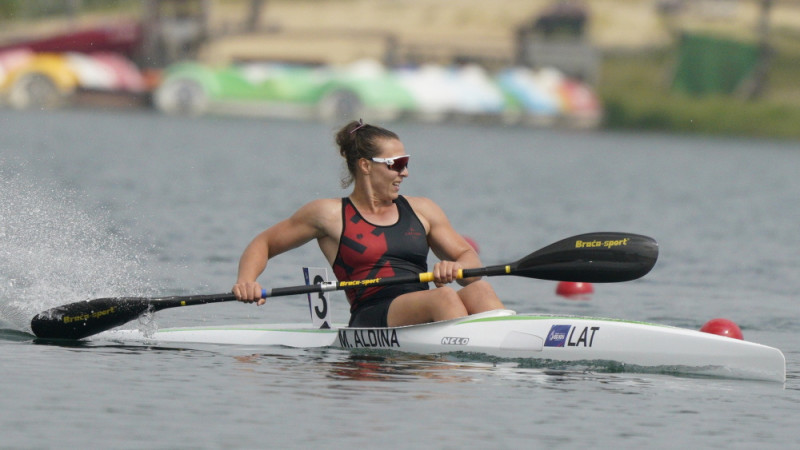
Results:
604 257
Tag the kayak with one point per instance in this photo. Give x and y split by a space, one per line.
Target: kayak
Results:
624 345
603 257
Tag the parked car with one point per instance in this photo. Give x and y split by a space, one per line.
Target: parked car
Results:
279 89
547 97
51 80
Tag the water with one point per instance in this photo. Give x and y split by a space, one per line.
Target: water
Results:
109 203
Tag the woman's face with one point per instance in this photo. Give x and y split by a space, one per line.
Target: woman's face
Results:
385 178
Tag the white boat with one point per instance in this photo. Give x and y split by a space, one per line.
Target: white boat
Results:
625 345
544 339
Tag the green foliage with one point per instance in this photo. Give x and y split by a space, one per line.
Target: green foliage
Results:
36 9
635 89
9 9
717 115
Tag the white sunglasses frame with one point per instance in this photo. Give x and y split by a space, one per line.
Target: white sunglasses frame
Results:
390 161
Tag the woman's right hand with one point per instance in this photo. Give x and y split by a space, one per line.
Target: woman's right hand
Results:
248 292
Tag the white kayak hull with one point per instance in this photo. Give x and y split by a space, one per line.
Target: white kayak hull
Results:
505 334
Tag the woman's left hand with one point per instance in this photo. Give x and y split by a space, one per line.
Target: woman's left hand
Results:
445 272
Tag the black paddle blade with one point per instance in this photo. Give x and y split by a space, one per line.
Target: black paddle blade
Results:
82 319
603 257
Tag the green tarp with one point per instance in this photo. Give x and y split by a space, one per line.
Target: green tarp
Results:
712 65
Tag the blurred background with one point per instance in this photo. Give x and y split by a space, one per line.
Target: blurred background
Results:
705 66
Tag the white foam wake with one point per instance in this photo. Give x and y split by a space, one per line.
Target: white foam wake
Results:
52 252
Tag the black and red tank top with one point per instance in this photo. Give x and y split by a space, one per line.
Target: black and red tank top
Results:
374 251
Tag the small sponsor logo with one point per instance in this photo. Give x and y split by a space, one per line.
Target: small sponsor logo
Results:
413 232
455 341
607 244
357 283
557 336
91 315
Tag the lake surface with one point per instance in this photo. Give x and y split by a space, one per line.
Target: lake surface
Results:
110 203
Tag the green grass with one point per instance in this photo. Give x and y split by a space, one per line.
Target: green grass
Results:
637 95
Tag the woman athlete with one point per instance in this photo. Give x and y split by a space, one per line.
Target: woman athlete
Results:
376 232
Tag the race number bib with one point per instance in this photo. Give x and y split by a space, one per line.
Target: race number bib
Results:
317 302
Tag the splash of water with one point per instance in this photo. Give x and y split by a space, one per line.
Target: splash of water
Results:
53 253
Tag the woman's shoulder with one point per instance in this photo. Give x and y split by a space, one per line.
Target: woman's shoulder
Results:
419 200
325 202
323 214
423 205
323 206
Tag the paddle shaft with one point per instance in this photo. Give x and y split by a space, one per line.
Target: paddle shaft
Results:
328 286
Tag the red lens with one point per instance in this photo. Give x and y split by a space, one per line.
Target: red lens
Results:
399 164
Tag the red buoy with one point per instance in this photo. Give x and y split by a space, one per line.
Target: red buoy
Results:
474 244
574 289
722 327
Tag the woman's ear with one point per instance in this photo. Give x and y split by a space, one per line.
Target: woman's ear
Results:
364 166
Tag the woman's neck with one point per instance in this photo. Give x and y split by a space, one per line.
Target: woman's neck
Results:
368 200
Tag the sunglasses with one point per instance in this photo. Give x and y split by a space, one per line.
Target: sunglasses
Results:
398 163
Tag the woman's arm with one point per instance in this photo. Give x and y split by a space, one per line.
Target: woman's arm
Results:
309 222
447 244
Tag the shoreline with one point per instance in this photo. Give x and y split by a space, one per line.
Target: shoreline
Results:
637 47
